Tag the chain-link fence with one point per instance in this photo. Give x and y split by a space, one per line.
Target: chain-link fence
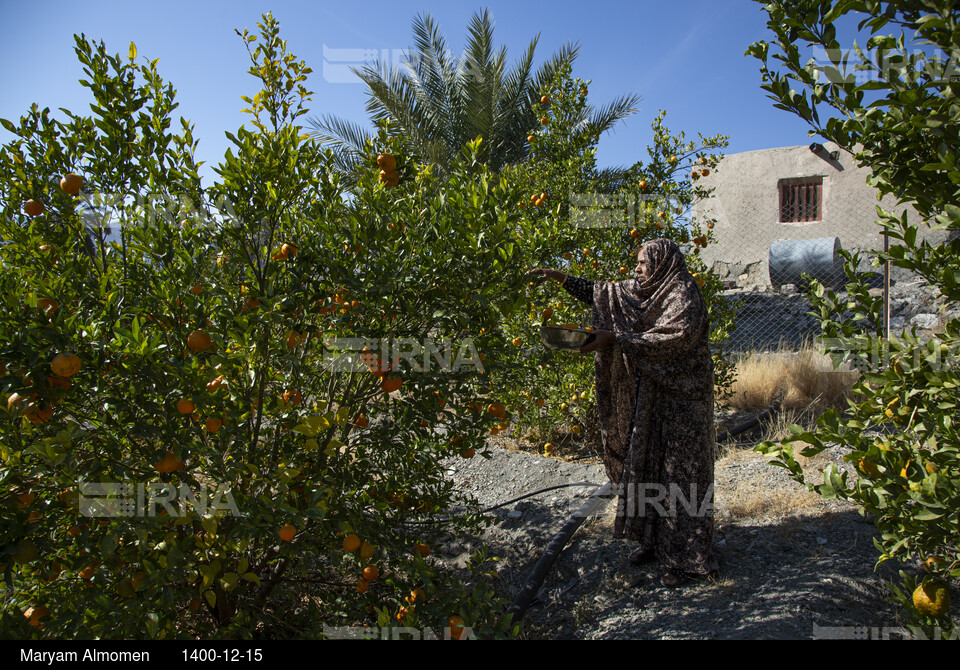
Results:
782 213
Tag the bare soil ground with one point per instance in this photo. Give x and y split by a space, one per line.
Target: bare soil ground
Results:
793 565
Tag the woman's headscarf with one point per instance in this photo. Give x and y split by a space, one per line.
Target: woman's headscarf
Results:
661 327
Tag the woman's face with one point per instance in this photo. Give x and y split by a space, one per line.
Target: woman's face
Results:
641 270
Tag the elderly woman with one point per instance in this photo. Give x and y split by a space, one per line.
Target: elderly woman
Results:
654 375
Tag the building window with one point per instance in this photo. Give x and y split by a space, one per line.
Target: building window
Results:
800 200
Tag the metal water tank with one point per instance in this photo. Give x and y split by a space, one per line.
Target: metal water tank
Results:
791 259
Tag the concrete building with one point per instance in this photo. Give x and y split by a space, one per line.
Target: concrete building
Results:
794 193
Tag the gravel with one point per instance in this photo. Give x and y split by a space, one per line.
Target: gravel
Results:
793 565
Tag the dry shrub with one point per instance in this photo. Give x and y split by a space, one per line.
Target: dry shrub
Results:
806 378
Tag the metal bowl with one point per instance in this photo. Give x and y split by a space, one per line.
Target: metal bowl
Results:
567 339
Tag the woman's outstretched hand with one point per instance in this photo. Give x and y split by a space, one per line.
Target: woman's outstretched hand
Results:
543 274
604 338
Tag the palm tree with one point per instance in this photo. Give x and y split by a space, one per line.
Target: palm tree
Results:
440 103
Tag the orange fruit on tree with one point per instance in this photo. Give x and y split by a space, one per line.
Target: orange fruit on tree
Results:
387 162
416 595
351 543
294 339
213 424
292 397
65 365
40 414
362 585
186 406
422 549
361 421
455 623
199 340
371 573
214 384
367 550
70 183
544 121
544 100
623 270
391 384
169 463
33 208
531 138
932 598
287 532
34 614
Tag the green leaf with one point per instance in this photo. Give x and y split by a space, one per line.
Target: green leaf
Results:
133 51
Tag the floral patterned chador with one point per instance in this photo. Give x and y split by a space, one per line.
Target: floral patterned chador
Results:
655 405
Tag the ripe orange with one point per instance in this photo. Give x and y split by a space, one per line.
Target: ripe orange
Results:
455 624
294 339
33 208
387 162
544 100
498 409
367 550
370 573
391 384
362 585
34 614
531 138
199 340
705 173
642 184
287 532
361 421
292 397
186 406
517 341
422 549
932 598
169 463
214 384
351 543
65 365
623 270
544 121
70 183
213 424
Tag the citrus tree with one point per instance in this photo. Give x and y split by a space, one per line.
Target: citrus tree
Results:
891 106
589 223
227 408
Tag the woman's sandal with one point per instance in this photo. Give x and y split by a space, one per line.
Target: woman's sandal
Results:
642 555
674 578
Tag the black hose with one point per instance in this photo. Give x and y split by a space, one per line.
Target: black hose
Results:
447 519
523 599
772 410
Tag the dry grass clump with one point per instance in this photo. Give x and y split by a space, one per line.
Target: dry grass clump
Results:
806 378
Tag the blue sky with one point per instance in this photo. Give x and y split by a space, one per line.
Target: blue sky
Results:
685 56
